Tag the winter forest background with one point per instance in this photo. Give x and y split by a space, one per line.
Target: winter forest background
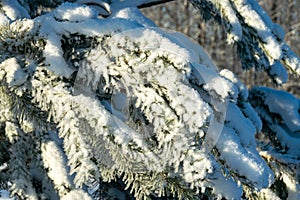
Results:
103 99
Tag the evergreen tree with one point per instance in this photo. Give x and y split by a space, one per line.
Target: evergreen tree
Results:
97 102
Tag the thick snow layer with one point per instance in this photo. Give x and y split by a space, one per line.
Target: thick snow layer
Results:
103 8
278 31
244 161
250 113
244 128
53 54
264 16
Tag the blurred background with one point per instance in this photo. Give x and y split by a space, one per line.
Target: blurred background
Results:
183 17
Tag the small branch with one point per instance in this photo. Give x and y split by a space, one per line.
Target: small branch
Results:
154 3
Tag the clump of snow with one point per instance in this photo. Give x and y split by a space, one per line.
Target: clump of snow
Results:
55 164
244 128
74 12
267 193
102 7
287 139
213 82
135 14
53 54
264 16
4 21
16 75
291 59
242 90
24 25
227 188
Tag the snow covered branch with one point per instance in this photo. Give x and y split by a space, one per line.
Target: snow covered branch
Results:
260 42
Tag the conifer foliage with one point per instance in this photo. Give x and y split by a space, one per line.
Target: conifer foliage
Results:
96 102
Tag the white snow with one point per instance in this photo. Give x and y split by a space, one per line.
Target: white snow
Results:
226 187
227 12
285 105
243 160
4 21
292 186
291 59
287 140
253 18
14 10
16 75
156 68
74 12
55 163
287 127
102 7
133 14
268 194
243 91
198 54
53 54
250 113
244 128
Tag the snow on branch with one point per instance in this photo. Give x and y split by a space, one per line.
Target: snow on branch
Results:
260 42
